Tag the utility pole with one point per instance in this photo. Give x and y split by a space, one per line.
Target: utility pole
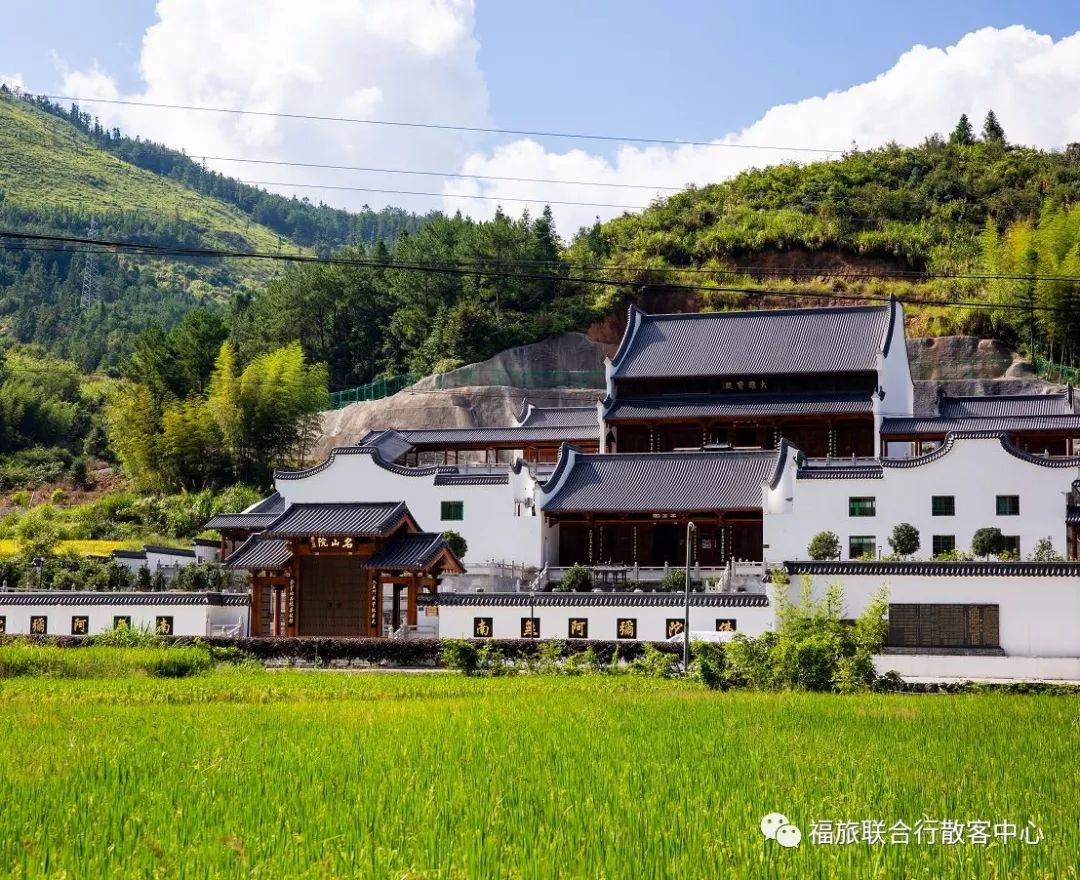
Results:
89 281
690 529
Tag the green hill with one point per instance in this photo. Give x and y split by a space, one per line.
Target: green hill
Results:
61 170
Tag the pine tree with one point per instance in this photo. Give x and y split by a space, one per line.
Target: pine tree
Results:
992 132
962 135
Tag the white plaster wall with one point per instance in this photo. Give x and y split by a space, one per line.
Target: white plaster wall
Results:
1038 617
979 668
975 472
456 621
497 522
188 620
894 372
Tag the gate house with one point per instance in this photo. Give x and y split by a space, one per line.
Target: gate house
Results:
323 569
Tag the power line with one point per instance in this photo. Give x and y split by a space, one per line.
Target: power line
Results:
311 117
406 192
460 270
195 155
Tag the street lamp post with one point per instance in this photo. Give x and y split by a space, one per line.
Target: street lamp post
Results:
690 529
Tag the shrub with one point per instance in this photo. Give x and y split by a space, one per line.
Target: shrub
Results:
654 663
57 496
459 654
127 637
20 498
577 579
457 544
987 542
904 539
673 581
709 664
813 648
824 546
1044 551
179 662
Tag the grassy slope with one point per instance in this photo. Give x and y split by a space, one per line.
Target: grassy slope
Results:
320 774
49 163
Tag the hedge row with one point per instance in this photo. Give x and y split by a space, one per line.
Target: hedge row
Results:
382 652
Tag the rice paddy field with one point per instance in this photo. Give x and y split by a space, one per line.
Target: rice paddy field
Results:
246 773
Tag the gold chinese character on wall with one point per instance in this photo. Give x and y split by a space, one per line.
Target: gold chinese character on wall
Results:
482 627
3 625
674 626
121 621
626 628
725 624
38 625
530 627
80 625
164 626
579 628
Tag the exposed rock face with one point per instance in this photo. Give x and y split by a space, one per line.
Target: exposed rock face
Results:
962 357
487 394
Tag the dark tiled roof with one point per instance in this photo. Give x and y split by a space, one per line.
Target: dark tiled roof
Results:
596 600
1010 424
736 405
560 417
841 471
258 552
169 551
1005 405
128 554
662 481
938 569
753 343
505 436
270 504
391 444
254 521
467 479
412 551
368 518
205 542
65 598
1072 515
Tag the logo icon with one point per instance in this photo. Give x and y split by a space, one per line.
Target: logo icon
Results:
775 826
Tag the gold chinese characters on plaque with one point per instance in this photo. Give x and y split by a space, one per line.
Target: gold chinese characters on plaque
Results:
725 624
626 628
346 543
579 628
80 625
674 627
530 627
482 627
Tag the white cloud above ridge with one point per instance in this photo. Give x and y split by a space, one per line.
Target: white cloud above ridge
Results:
385 59
416 60
1028 79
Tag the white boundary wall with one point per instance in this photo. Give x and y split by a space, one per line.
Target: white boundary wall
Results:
1037 616
456 621
190 618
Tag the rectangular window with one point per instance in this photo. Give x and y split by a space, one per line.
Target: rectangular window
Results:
80 625
943 505
862 506
944 544
862 545
1011 544
943 626
1008 505
453 510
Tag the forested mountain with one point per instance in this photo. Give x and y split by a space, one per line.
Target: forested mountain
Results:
61 171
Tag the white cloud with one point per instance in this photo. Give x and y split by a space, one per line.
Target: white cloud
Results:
385 59
12 80
1029 80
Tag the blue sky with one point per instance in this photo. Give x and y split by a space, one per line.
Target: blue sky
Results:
684 69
